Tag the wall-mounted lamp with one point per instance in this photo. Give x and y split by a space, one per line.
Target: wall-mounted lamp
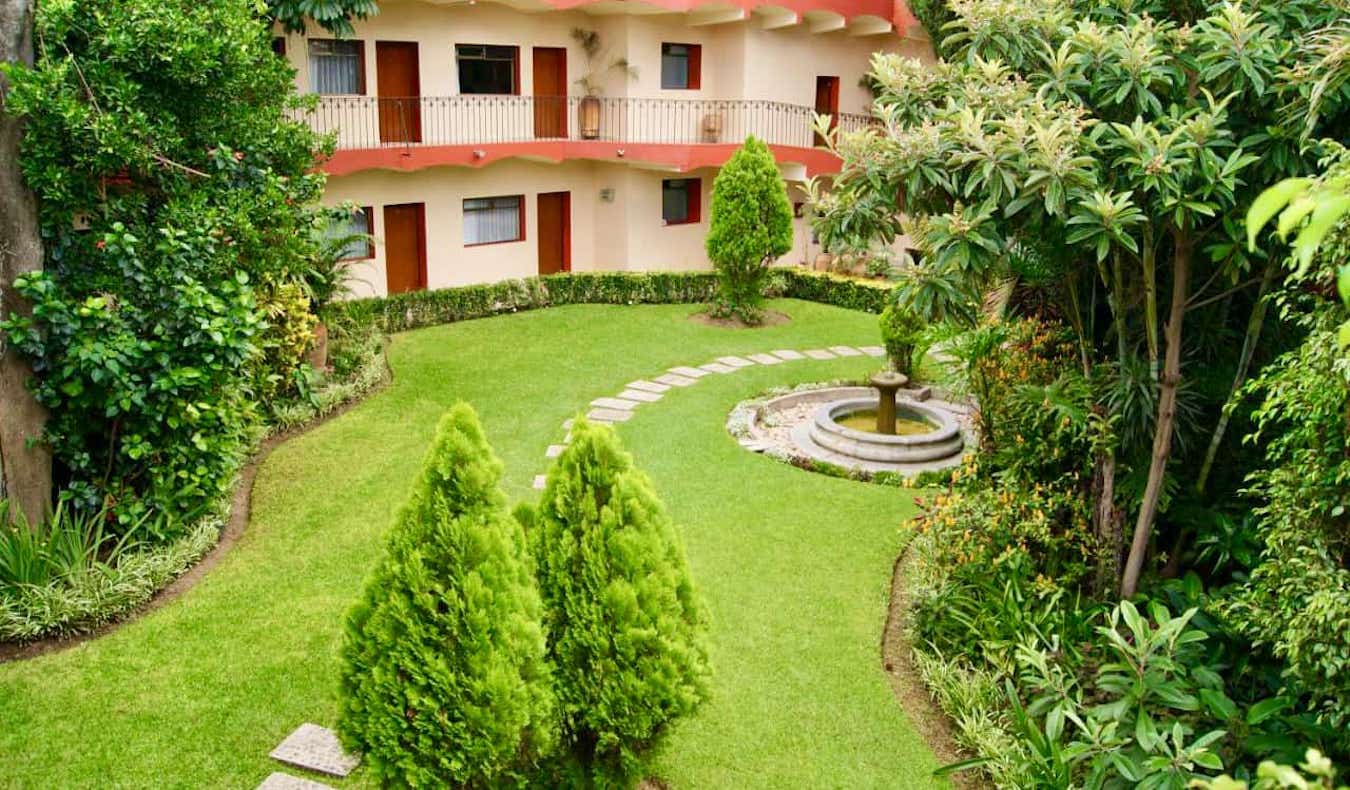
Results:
620 153
479 153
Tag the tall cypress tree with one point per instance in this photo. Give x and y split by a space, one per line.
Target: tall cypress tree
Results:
444 677
627 634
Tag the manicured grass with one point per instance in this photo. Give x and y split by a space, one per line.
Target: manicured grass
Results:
795 568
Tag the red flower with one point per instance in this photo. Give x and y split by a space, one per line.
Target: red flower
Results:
100 244
238 156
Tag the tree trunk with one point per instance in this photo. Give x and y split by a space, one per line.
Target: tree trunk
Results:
1150 266
1106 518
25 465
1254 324
1167 412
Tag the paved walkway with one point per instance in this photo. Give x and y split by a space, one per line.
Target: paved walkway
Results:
622 406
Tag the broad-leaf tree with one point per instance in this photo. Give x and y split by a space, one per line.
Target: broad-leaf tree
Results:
1105 154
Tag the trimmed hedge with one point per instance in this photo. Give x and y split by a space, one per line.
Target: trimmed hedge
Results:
417 309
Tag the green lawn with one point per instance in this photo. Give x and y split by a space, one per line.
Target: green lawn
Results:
795 568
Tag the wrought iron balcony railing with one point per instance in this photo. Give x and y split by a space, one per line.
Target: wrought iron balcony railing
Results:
375 122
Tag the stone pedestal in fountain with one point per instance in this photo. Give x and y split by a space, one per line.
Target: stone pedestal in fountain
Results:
887 383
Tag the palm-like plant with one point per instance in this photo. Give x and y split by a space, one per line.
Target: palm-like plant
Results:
598 63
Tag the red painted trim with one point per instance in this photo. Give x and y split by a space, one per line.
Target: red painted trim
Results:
693 196
682 157
567 231
897 12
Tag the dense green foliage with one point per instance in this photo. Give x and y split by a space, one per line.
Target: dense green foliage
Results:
627 634
416 309
444 679
163 128
902 335
335 16
751 227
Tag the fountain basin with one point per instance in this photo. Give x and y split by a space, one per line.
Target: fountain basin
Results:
943 442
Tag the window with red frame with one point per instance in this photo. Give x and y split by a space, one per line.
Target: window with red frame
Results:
356 232
680 200
681 66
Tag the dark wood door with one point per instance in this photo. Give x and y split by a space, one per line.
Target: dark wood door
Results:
550 92
400 91
555 232
405 247
827 101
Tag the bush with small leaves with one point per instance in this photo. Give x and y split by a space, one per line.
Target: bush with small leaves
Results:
751 227
444 676
626 631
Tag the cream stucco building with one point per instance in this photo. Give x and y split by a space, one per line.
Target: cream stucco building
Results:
465 132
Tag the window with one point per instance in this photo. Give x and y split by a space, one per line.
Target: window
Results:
680 66
680 200
337 68
356 233
279 46
488 69
493 220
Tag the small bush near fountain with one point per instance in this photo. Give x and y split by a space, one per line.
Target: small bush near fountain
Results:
751 228
444 676
902 335
627 634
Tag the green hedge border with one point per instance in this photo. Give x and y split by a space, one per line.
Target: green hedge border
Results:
417 309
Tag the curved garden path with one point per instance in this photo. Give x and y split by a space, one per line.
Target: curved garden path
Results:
796 568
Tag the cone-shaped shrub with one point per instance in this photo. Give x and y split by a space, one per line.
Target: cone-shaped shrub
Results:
444 676
626 631
751 227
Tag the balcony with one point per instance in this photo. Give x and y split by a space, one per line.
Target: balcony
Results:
563 126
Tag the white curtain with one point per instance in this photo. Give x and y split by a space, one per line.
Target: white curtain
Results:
488 220
335 67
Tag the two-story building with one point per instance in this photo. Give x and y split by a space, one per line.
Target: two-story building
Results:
489 139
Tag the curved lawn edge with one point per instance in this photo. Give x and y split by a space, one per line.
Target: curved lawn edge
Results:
236 523
934 726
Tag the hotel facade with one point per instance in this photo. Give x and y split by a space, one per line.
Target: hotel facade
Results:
468 137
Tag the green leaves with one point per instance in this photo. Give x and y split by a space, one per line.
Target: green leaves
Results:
1105 220
751 226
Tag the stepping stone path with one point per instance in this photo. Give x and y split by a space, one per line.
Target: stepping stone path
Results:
315 748
622 407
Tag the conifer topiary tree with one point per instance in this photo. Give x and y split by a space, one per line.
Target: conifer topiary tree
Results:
751 227
626 632
444 676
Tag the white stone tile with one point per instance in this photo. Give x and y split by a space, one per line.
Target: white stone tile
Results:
873 351
735 362
615 403
675 381
685 370
820 353
788 354
641 395
554 450
647 386
609 415
718 367
315 748
846 351
539 482
766 359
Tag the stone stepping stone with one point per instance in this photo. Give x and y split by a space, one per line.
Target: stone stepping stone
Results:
539 482
615 403
766 359
718 367
279 781
317 749
820 353
755 445
788 354
554 450
641 395
609 415
685 370
846 351
735 362
648 386
873 351
567 424
674 380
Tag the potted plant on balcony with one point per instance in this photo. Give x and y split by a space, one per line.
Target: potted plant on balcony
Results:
598 66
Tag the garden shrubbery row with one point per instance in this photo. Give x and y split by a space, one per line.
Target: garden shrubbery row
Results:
554 652
417 309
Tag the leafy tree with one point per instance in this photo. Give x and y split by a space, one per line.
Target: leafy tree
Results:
335 16
751 227
1104 154
902 334
626 630
165 129
444 677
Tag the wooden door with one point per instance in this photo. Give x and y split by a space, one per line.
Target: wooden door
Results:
550 92
555 232
827 102
405 247
400 91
